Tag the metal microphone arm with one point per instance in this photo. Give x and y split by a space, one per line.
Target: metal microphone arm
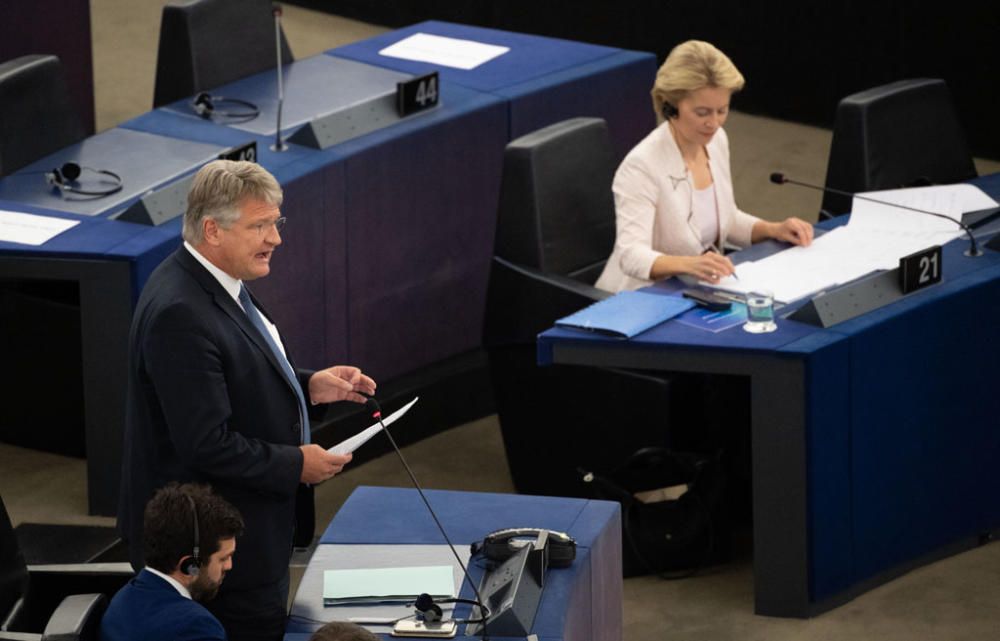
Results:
973 251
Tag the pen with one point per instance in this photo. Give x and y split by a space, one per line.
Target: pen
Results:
714 248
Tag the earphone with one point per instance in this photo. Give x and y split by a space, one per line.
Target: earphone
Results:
62 178
501 545
669 111
429 610
191 566
206 105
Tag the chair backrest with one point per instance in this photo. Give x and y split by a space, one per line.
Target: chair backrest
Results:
13 569
37 116
208 43
557 213
898 135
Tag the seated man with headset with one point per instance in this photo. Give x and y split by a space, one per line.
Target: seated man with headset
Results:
189 539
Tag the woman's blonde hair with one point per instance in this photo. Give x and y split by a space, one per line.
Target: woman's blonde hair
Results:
691 66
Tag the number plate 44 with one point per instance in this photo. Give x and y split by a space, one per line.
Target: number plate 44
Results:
921 269
417 94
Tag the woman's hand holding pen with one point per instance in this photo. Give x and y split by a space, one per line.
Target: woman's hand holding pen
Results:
709 267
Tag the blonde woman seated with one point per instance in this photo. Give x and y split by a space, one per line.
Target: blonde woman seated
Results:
674 192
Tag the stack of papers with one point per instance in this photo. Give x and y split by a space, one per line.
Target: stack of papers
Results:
627 313
875 238
387 585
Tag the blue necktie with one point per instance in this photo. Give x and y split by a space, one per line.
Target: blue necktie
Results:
258 322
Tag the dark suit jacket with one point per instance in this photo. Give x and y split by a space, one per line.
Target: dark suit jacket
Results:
151 609
208 402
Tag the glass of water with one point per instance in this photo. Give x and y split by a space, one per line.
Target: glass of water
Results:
760 312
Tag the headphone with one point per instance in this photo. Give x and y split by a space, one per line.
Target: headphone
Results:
429 610
191 566
206 105
501 545
669 111
62 178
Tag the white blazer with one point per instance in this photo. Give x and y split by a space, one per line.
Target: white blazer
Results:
653 207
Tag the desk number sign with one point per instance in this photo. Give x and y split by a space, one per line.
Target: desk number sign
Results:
921 269
243 152
417 94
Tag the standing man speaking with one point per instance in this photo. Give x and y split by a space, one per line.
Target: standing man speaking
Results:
213 397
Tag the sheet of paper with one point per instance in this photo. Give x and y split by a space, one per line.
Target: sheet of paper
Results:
439 50
31 229
948 200
382 585
359 439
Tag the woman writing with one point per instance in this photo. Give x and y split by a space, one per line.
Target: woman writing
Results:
674 191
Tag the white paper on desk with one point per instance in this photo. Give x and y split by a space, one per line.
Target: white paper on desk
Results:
948 200
439 50
31 229
349 445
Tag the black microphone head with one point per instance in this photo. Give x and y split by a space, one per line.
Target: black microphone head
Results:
778 178
373 405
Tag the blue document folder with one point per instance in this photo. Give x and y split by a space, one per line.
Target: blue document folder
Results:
627 313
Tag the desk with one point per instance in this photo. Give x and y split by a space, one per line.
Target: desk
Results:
388 245
874 442
581 602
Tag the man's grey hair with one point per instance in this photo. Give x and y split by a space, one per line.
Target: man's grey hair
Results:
218 190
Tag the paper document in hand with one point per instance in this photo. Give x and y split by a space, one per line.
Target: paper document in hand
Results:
349 445
439 50
380 585
30 229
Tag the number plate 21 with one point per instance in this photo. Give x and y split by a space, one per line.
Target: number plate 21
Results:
921 269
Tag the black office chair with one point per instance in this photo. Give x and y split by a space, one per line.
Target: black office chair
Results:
207 43
37 116
42 602
555 230
903 134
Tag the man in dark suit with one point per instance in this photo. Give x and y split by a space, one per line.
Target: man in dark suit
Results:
214 397
189 536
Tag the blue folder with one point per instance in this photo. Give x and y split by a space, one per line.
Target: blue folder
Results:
627 313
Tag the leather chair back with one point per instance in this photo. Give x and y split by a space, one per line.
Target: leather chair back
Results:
902 134
13 570
37 116
557 213
207 43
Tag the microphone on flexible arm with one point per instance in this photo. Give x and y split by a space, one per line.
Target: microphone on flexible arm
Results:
779 178
425 603
279 144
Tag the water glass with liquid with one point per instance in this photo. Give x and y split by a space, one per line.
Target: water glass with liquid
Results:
760 312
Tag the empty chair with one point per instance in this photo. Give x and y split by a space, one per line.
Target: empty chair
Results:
208 43
555 230
52 602
37 116
903 134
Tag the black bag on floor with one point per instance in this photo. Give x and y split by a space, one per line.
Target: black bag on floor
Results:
673 521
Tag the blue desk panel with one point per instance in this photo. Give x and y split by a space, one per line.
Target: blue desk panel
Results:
544 80
529 57
893 422
583 601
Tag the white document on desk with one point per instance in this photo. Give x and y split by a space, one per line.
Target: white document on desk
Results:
875 238
31 229
349 445
439 50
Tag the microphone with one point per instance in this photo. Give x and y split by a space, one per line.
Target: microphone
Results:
279 144
779 178
376 411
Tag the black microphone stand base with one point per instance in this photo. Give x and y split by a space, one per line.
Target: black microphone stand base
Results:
973 252
279 146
